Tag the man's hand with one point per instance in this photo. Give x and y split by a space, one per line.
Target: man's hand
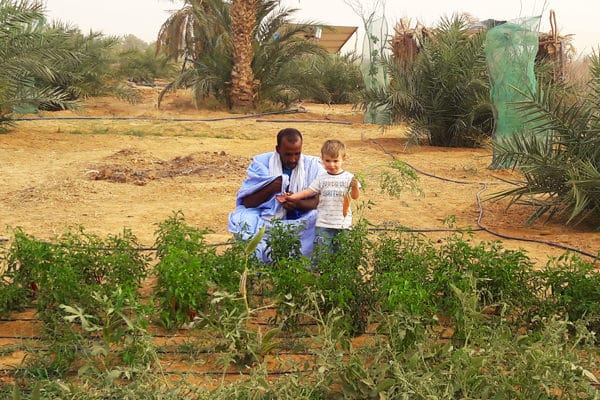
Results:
286 201
289 203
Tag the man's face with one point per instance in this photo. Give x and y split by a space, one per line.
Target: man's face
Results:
289 153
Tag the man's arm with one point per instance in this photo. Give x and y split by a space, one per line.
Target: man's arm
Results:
263 194
307 204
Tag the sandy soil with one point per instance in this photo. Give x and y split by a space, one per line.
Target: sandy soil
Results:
140 164
137 166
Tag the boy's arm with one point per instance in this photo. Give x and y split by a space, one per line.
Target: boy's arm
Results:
301 194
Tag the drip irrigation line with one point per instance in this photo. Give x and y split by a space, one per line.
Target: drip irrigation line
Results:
143 248
546 242
210 352
188 372
21 337
181 352
481 227
83 118
305 336
307 121
18 319
230 373
417 230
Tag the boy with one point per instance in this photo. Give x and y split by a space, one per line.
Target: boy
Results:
335 187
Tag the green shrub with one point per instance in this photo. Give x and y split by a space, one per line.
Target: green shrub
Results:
344 278
67 271
572 289
445 92
184 271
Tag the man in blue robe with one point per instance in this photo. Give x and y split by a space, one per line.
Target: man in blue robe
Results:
270 174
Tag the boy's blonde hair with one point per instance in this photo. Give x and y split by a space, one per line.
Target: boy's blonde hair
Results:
333 148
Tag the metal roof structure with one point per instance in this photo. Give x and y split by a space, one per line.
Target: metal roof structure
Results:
331 37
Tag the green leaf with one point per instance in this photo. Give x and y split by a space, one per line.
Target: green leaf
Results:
253 243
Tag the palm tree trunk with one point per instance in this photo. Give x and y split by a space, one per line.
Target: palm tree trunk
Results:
243 24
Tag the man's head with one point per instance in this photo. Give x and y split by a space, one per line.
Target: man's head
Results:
289 147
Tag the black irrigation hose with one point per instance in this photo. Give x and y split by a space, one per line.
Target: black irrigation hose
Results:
162 351
187 372
480 217
246 116
417 230
306 121
548 243
242 373
21 337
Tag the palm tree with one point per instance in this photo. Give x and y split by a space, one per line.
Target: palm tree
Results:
209 53
559 155
94 72
28 58
243 25
445 91
184 33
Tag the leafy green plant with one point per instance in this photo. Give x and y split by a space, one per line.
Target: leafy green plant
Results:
414 275
62 347
359 381
287 283
502 277
243 344
68 270
398 178
122 323
230 316
289 274
445 92
181 288
401 331
572 289
343 279
25 261
229 265
402 273
184 271
283 242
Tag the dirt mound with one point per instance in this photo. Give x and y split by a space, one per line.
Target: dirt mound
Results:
138 168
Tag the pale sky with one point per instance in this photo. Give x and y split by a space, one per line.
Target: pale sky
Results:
143 18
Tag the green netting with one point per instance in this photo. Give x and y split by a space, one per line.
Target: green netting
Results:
374 74
510 51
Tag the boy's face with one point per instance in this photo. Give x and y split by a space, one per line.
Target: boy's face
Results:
333 164
289 153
